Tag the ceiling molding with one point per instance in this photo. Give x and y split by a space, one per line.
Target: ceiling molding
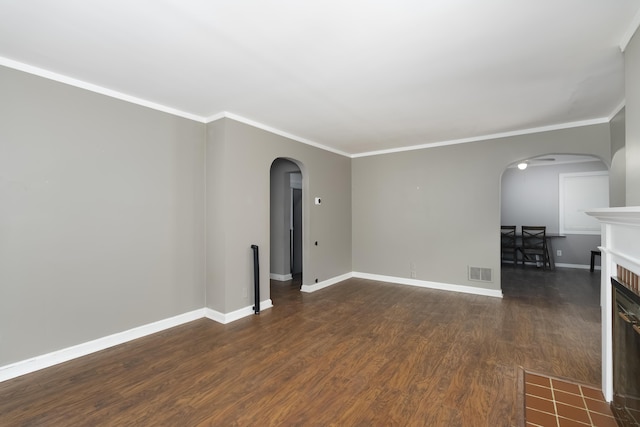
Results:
617 109
633 27
587 158
487 137
9 63
224 114
348 105
218 116
273 130
30 69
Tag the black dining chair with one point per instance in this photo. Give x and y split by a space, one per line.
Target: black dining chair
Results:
508 243
534 245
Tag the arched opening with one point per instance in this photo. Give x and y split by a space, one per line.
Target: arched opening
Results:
286 226
545 191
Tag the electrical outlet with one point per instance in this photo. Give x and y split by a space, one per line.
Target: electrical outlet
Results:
413 274
245 293
559 252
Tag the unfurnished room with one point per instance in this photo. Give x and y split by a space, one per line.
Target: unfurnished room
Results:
337 213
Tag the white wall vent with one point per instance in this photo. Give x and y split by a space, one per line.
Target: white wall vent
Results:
480 274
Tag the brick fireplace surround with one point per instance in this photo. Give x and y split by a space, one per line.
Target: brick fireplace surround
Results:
620 248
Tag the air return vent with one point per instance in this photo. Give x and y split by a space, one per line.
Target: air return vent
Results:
480 274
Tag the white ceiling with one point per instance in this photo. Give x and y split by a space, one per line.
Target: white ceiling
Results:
353 75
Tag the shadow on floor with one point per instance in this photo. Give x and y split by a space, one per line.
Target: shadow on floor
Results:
555 287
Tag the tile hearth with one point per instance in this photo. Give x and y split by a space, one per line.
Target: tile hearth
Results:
560 403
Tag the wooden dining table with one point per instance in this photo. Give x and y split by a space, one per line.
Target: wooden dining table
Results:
549 239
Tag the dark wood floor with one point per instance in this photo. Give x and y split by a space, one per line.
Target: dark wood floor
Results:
357 353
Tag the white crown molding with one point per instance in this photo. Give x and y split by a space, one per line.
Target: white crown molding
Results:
237 118
9 63
617 109
224 114
486 137
587 158
431 285
218 116
60 356
631 30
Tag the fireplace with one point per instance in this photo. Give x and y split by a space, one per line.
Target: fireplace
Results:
626 348
620 248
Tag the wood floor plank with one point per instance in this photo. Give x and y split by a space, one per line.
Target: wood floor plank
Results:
357 353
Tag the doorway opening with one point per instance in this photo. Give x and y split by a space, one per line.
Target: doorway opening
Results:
534 194
286 226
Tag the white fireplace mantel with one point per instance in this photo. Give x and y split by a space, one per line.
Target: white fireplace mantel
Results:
624 216
620 246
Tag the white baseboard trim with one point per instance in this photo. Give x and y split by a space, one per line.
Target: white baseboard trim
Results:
325 283
280 277
579 266
223 318
46 360
37 363
431 285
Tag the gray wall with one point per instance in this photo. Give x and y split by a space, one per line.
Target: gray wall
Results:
217 217
618 171
280 223
101 216
440 207
632 95
531 197
245 155
103 207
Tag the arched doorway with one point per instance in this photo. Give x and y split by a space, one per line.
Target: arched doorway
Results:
533 195
286 223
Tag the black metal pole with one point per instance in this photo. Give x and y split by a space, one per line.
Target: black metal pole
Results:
256 280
